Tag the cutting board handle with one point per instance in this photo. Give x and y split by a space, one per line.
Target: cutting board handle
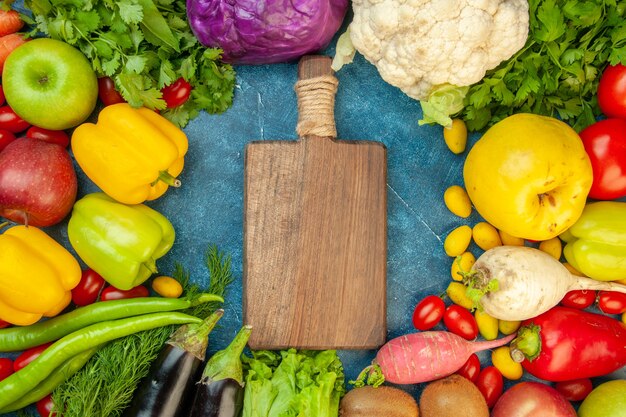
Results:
316 89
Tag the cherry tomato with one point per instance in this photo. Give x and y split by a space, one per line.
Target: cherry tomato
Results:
88 289
575 389
428 312
471 368
605 143
579 299
10 121
612 91
51 136
2 99
107 92
4 324
28 356
176 93
6 368
611 302
112 293
491 384
6 137
460 321
45 406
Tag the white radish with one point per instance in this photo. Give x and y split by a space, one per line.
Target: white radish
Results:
519 282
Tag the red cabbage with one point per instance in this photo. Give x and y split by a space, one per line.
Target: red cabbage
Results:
265 31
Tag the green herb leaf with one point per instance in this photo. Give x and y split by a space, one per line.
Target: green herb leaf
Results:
104 387
557 72
143 45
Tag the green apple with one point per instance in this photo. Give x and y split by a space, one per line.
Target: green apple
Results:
50 84
606 400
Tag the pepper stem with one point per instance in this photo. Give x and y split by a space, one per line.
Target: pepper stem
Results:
527 344
194 337
226 364
169 179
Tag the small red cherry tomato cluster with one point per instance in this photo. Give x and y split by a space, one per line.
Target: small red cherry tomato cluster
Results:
13 126
177 93
428 312
28 356
579 299
113 293
6 368
88 289
490 383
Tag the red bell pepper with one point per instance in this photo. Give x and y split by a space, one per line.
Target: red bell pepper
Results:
565 343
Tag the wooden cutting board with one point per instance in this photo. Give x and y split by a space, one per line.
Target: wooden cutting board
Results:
315 230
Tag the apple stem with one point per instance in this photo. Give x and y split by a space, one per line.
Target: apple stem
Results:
168 178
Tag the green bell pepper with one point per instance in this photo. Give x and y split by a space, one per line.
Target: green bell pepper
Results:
120 242
596 243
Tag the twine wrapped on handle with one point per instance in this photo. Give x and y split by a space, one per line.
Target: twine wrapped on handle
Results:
316 106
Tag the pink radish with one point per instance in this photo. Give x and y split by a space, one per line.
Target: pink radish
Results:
518 282
423 356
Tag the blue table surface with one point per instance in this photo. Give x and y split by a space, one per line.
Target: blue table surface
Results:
207 208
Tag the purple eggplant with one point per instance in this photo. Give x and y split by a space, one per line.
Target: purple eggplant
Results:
220 390
168 389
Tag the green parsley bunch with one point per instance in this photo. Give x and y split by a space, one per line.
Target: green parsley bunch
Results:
143 45
557 72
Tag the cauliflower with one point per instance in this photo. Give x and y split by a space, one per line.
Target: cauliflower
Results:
421 45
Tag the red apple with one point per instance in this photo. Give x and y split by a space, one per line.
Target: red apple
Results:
37 182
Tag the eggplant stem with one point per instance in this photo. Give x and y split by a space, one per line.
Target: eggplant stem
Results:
194 337
226 364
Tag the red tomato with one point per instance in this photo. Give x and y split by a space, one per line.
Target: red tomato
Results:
6 137
533 399
575 389
107 92
471 368
428 312
45 406
51 136
605 143
579 299
11 121
2 99
88 289
491 384
28 356
460 321
112 293
176 93
4 324
611 302
612 91
6 368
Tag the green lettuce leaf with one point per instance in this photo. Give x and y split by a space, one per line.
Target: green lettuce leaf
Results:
293 383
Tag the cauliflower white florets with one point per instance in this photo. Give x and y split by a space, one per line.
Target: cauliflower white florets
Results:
418 45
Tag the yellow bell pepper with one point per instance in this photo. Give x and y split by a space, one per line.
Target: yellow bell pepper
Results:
132 154
37 275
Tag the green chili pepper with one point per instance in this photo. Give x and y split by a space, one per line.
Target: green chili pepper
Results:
56 378
21 382
21 338
596 243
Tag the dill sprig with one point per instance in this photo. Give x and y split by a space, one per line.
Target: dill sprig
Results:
105 386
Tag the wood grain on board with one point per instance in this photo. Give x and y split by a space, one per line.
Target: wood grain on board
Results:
315 240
